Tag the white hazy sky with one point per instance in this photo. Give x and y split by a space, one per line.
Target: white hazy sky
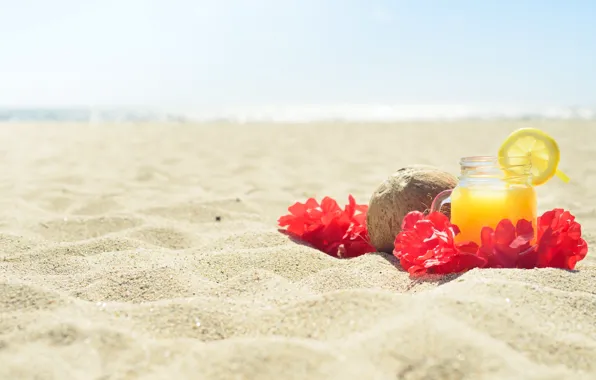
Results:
214 53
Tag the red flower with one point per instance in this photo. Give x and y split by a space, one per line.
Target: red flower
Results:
560 244
337 232
506 244
426 245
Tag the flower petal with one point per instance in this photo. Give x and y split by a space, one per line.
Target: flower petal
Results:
439 220
504 232
329 205
524 228
410 220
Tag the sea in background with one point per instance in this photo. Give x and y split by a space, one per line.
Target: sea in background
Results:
299 114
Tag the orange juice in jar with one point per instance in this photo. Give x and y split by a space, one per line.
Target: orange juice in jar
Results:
489 192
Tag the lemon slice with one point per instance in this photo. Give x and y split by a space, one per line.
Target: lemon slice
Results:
539 147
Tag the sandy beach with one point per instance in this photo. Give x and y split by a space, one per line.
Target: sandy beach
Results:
151 251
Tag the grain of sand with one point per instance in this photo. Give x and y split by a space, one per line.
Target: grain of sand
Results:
151 252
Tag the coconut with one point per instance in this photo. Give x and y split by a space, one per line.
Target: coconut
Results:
410 188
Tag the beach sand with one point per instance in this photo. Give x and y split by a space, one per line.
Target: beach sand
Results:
152 251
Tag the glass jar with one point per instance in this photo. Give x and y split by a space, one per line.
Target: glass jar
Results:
488 192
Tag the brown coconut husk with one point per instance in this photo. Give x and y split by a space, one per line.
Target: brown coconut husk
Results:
411 188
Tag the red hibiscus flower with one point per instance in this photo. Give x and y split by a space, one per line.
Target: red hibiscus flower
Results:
337 232
560 244
426 245
506 244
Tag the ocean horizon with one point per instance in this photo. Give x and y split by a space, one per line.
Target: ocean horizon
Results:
297 114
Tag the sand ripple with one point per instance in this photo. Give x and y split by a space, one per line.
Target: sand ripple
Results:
171 267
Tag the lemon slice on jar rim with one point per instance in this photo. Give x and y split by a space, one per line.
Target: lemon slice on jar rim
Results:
539 147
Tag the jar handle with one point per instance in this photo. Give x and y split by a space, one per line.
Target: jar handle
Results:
440 200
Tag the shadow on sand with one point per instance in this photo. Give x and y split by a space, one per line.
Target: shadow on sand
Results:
432 278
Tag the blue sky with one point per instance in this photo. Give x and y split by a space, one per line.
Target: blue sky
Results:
190 54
